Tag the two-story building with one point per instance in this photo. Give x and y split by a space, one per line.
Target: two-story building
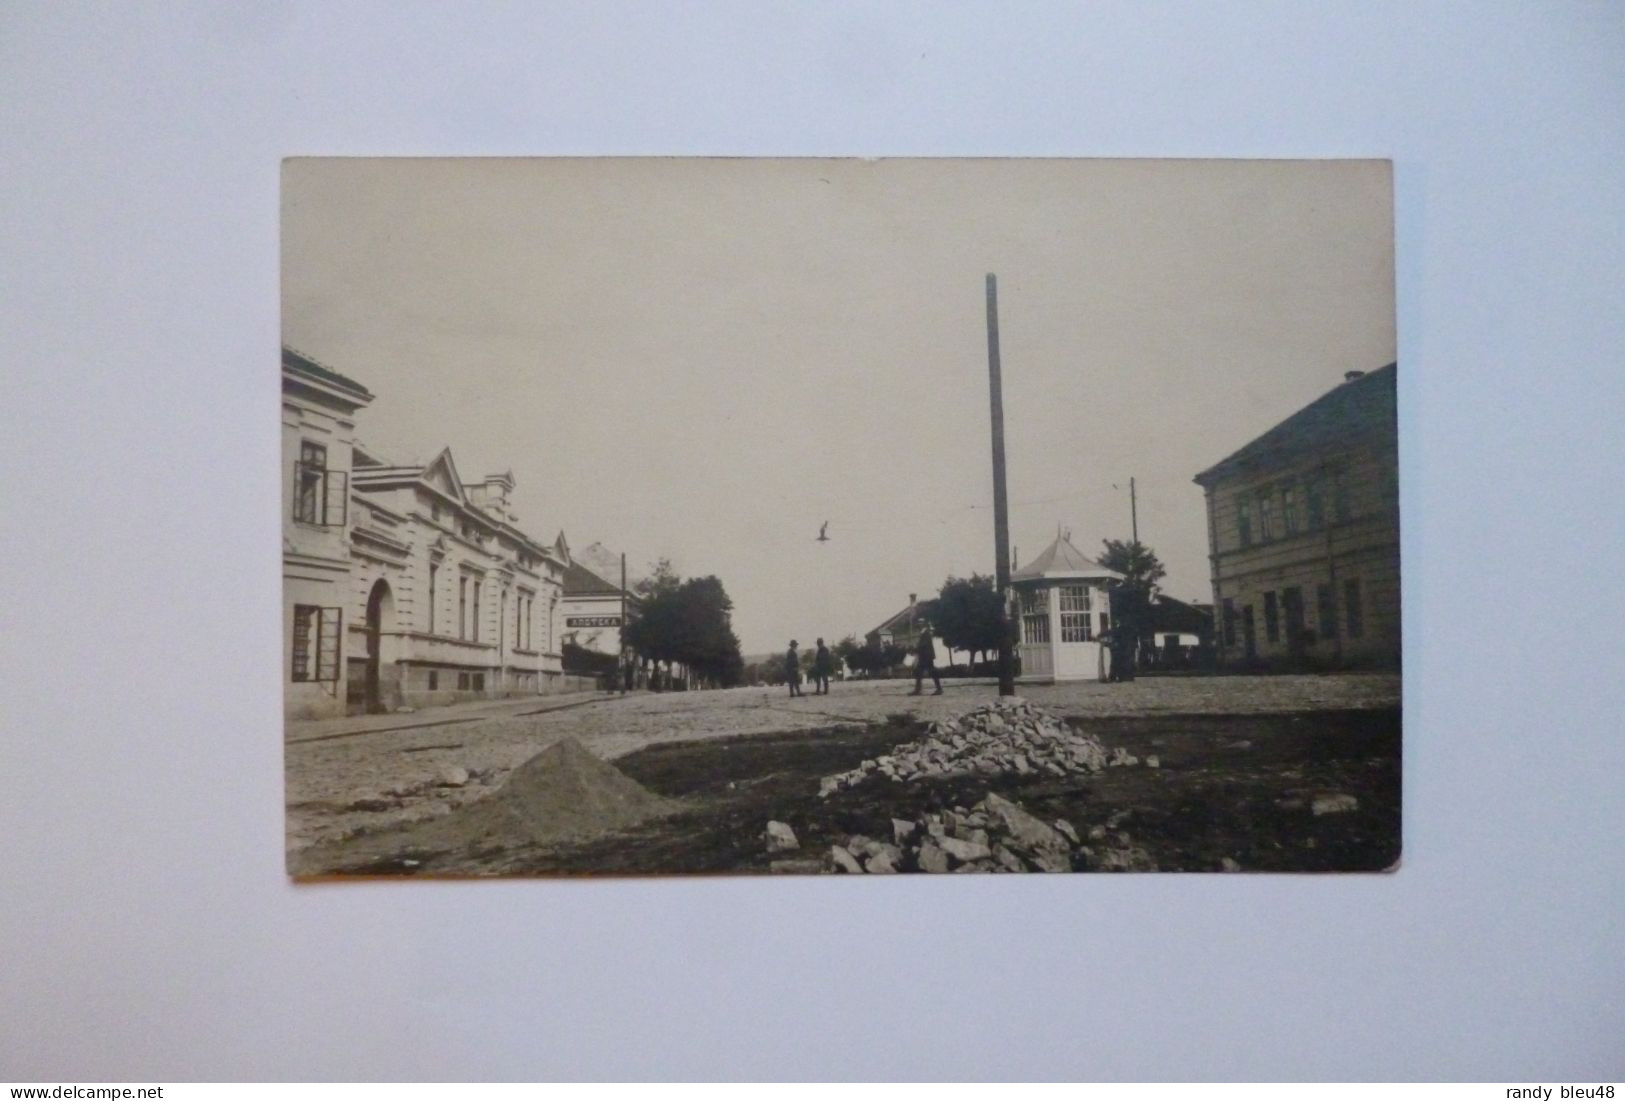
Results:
403 585
453 600
319 407
1303 534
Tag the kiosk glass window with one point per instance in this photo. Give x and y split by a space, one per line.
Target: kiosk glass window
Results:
1034 616
1075 609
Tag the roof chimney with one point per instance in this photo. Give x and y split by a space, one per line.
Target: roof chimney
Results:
911 599
1350 376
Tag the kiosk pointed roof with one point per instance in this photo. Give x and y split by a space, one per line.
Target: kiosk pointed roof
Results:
1061 559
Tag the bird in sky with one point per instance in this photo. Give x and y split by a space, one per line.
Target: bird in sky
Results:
823 532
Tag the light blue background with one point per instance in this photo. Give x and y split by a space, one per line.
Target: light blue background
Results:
146 929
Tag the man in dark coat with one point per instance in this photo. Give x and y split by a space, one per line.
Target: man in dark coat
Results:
823 666
925 661
792 670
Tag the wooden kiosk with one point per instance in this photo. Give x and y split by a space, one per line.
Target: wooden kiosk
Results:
1060 601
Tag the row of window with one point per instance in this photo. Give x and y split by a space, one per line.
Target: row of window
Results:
468 614
321 497
466 682
474 534
316 634
1077 603
1290 508
1284 614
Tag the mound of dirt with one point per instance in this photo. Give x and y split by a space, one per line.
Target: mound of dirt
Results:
563 793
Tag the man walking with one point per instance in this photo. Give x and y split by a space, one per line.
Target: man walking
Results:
792 670
925 661
823 666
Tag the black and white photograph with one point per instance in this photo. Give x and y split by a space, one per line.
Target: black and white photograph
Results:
799 516
761 489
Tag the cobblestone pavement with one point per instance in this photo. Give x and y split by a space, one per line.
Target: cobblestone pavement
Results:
362 774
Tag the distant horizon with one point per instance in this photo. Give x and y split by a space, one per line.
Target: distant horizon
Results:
706 359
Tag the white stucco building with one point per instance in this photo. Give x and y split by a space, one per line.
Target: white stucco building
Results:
453 600
403 585
319 407
1061 601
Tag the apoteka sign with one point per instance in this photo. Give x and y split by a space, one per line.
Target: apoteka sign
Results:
592 621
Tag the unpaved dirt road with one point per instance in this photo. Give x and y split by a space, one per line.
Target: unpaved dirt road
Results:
369 773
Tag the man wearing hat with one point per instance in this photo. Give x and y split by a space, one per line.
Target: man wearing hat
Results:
792 670
925 661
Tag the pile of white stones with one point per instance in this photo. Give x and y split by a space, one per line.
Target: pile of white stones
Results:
995 835
1009 735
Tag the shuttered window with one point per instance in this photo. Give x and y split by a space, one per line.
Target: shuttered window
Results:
316 643
319 494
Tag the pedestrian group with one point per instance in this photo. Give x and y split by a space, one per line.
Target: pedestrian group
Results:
823 664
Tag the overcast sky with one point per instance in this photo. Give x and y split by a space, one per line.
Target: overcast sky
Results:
707 359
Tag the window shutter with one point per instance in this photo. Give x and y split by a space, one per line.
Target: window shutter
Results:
301 641
336 497
327 644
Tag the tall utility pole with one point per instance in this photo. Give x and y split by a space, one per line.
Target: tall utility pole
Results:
620 674
1133 513
1001 517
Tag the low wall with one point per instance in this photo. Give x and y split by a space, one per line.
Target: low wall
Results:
556 683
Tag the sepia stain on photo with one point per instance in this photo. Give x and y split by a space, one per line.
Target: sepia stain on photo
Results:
799 516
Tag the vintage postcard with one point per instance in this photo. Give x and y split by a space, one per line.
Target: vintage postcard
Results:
807 516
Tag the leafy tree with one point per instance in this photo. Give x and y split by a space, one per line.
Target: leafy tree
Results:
689 622
968 614
852 652
662 580
1141 570
1139 565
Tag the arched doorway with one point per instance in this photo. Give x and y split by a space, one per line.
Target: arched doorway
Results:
380 615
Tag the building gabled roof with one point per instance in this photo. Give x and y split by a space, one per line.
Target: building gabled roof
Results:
580 581
1062 560
298 361
1361 405
440 476
454 484
911 612
606 563
1168 614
